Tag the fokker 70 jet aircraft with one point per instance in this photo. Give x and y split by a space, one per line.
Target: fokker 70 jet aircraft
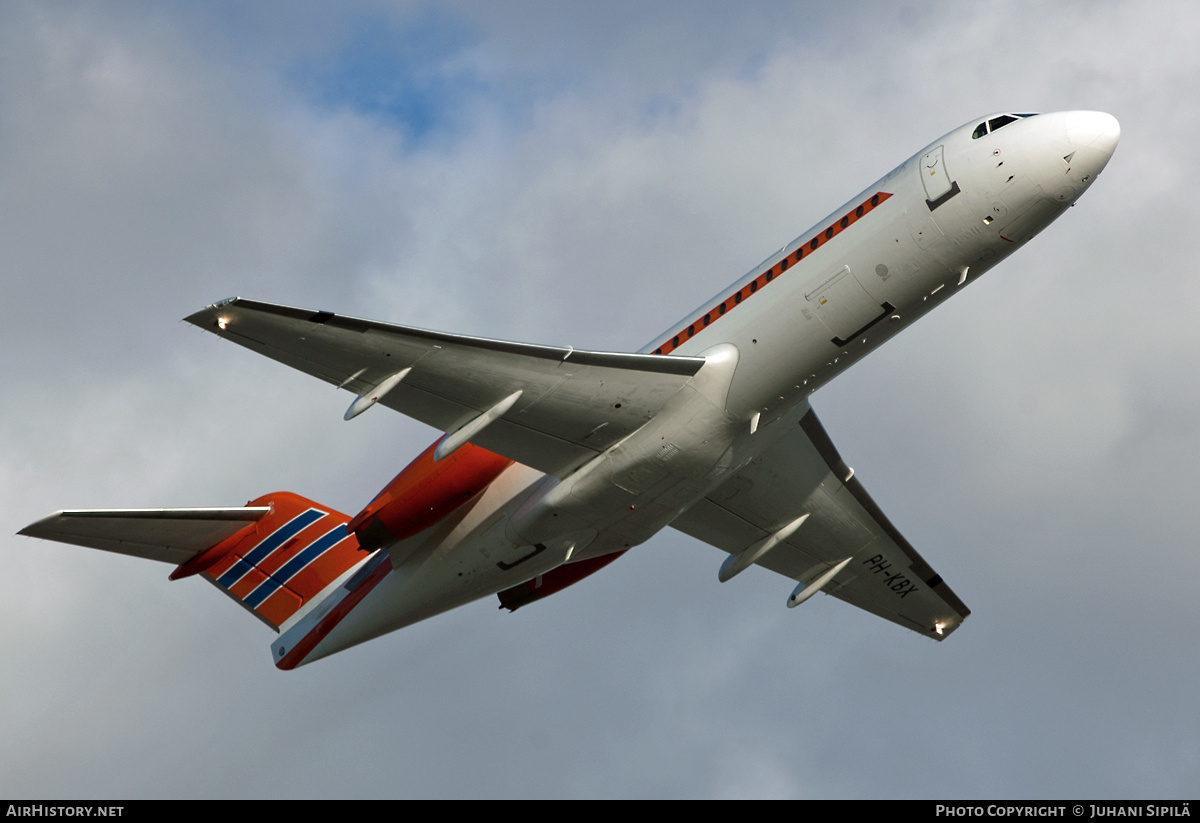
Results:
556 461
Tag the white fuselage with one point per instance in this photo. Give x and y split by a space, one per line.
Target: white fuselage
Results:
906 243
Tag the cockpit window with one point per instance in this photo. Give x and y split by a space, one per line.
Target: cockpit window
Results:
997 123
1000 122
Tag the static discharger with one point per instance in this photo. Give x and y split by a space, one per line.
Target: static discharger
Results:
453 441
369 399
737 563
802 592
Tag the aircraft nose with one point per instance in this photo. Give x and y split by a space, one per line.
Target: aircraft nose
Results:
1093 130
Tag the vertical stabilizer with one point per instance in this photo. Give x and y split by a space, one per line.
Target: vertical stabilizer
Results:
275 567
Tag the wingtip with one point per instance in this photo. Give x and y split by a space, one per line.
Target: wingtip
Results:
210 315
38 527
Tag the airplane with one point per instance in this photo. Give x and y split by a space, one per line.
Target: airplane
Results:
555 461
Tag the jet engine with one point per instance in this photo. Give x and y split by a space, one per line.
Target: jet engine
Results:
424 492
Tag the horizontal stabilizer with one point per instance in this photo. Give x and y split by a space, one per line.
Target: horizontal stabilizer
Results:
168 535
273 556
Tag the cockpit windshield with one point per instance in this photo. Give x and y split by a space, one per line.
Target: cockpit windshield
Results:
988 126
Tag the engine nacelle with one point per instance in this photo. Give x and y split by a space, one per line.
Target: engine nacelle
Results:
424 492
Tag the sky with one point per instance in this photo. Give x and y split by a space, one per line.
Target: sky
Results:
584 174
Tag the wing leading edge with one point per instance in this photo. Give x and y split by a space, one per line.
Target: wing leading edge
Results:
572 405
803 474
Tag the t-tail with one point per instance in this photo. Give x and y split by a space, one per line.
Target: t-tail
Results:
277 566
277 556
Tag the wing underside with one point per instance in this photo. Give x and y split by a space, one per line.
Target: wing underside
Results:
572 406
803 474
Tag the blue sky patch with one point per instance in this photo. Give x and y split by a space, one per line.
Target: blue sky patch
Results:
417 75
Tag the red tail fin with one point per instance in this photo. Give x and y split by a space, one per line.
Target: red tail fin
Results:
277 565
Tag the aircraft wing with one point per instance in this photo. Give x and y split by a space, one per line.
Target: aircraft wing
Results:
168 535
573 404
800 474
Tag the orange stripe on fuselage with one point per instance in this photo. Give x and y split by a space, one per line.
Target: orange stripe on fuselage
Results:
705 319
